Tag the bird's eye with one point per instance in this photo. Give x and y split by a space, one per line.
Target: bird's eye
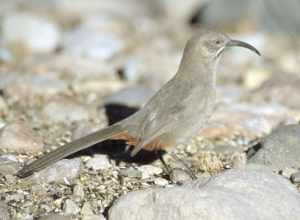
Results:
218 42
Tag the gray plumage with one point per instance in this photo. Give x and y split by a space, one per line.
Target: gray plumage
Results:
173 115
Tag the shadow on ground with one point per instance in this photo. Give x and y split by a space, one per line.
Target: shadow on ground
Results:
115 149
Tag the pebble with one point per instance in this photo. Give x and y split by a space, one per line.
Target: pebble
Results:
92 44
64 171
131 172
18 138
87 213
64 111
8 166
180 176
131 69
98 162
281 149
149 171
295 178
18 197
86 209
78 191
70 207
25 30
161 181
231 195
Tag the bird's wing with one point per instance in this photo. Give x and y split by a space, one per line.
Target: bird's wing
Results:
157 124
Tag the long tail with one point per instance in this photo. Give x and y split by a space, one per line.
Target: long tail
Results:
69 149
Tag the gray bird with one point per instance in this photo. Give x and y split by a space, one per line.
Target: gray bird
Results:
173 115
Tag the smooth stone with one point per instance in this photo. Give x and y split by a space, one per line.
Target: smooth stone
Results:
18 197
131 70
64 171
87 213
86 209
131 172
136 96
64 111
149 171
70 207
78 191
26 29
8 165
281 149
17 137
161 181
98 162
295 178
234 194
180 176
92 44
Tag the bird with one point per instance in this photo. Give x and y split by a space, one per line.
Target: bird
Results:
173 115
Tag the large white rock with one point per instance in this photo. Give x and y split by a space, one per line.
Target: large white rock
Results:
250 193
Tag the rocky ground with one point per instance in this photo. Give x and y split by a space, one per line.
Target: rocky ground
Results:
68 68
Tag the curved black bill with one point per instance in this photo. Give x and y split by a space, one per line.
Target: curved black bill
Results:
237 43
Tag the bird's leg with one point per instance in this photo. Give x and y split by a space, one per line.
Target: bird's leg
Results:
169 169
166 166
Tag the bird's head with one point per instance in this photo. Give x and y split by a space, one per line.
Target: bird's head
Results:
210 45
